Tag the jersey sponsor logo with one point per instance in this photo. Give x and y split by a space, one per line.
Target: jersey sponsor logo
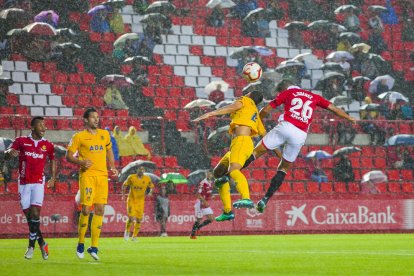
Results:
34 155
95 147
29 145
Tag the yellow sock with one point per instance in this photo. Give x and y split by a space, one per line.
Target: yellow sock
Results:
136 229
241 183
128 225
96 227
224 192
82 227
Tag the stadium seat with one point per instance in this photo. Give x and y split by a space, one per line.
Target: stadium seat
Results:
394 187
258 174
182 189
326 187
380 163
366 163
407 175
285 188
407 187
12 188
354 187
340 187
61 188
312 187
170 161
381 188
256 187
393 174
158 160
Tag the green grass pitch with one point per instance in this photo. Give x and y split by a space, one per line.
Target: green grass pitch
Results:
344 254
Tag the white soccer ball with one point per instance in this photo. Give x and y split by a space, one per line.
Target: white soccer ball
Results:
252 72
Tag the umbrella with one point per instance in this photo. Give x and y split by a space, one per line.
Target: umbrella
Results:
40 28
154 178
213 86
263 51
224 4
46 16
369 107
341 100
175 178
374 177
241 51
195 177
164 7
318 154
199 103
120 42
301 56
393 96
6 81
377 8
347 8
339 55
5 143
224 103
60 151
345 151
339 27
319 24
350 36
218 131
137 60
114 3
289 64
298 25
132 168
378 60
11 13
374 84
69 45
14 18
360 46
360 79
66 32
96 9
400 139
156 18
254 13
117 80
327 76
332 66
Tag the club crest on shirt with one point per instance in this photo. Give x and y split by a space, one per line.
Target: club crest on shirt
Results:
43 148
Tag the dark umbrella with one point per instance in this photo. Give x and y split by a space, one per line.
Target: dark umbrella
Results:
241 51
175 178
66 32
318 24
340 27
114 3
44 16
132 168
137 60
60 151
118 80
332 66
14 18
6 81
369 107
345 151
289 64
69 45
319 154
400 139
360 79
341 100
351 37
195 177
298 25
346 8
40 28
120 42
5 143
253 86
377 8
155 18
12 13
223 4
327 76
96 9
16 32
254 13
378 60
164 7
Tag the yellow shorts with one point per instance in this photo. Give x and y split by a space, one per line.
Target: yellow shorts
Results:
240 150
135 208
93 190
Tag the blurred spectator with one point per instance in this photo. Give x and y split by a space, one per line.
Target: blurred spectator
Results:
408 160
343 170
114 144
216 17
120 141
99 22
328 127
369 69
295 38
343 45
50 17
346 133
376 134
148 40
375 36
140 6
4 88
319 175
358 91
113 98
37 48
273 11
134 144
116 22
67 60
351 21
243 7
333 87
256 26
129 49
262 26
408 30
389 17
395 157
407 111
301 10
162 210
216 95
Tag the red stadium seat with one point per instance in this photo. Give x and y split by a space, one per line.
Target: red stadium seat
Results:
380 163
354 187
12 188
258 174
158 160
407 187
170 161
393 174
61 188
312 187
394 187
407 175
340 187
285 188
326 187
256 187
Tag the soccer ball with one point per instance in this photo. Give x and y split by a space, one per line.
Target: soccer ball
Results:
252 72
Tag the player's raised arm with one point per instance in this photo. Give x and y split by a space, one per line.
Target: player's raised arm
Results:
221 111
264 112
341 113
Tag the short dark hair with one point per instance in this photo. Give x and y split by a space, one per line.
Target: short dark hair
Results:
283 85
35 119
88 112
256 96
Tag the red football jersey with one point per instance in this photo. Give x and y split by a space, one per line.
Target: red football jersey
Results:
299 105
32 158
205 189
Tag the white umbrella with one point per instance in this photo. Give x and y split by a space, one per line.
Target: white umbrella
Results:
319 154
263 51
199 103
374 177
393 96
338 55
224 103
222 3
213 86
374 84
360 46
301 56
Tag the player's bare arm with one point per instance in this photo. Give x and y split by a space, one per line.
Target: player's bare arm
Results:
264 112
123 190
221 111
111 160
11 153
84 164
52 180
339 112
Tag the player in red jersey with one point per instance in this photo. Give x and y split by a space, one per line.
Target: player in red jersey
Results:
33 151
292 130
202 208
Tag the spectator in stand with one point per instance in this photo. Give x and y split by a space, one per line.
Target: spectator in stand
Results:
352 23
346 133
129 49
369 69
343 170
216 17
4 88
113 98
390 16
377 134
408 160
243 7
115 149
162 210
344 45
375 36
395 157
116 22
296 38
134 144
407 111
408 31
100 23
319 175
262 25
148 40
216 95
333 87
274 12
120 141
140 6
67 59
